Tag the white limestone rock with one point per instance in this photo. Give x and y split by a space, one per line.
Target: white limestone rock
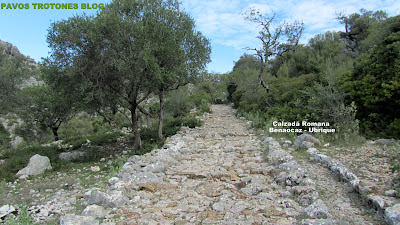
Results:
37 165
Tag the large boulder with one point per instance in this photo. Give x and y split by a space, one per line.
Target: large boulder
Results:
110 200
6 210
278 156
71 219
392 215
95 211
306 141
318 210
70 156
37 165
9 49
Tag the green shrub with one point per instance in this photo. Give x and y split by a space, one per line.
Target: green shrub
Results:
191 122
117 164
122 121
201 98
178 102
17 159
394 128
257 120
4 137
204 108
94 154
154 108
149 134
375 88
172 125
83 125
394 156
146 148
101 139
33 133
24 218
218 101
97 139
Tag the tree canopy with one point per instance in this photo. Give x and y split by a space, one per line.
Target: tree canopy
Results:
375 86
127 51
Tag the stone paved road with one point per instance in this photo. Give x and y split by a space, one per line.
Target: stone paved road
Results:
215 174
219 177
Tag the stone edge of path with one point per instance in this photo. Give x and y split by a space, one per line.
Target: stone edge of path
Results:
293 175
387 209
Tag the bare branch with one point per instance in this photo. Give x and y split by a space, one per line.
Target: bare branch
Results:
143 110
123 113
110 122
272 36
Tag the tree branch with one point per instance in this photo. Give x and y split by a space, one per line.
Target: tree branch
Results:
106 118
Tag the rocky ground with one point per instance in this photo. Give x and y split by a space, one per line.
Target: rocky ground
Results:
223 173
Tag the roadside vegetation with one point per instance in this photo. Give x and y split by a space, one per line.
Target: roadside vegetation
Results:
110 93
108 104
349 79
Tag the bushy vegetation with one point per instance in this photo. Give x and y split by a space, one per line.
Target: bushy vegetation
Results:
90 104
16 159
24 217
4 137
349 79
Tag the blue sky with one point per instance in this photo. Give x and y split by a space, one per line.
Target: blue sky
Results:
221 21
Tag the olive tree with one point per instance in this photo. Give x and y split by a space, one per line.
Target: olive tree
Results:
181 52
45 108
122 54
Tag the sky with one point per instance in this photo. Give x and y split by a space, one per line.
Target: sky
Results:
221 21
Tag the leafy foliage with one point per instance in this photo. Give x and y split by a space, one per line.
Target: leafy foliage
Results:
4 137
357 28
46 108
14 69
121 55
375 87
178 102
324 81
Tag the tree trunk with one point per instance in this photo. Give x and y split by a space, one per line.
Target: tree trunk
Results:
148 115
55 133
263 84
148 121
160 115
135 127
139 119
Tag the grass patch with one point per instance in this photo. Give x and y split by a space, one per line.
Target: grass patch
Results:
301 153
95 146
393 149
97 139
17 159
